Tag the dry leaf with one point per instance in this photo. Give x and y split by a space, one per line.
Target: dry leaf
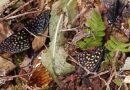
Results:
3 5
6 65
120 36
39 41
4 31
40 76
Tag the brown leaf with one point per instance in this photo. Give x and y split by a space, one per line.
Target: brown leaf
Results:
4 31
25 64
39 41
3 5
6 66
40 77
79 35
120 36
97 2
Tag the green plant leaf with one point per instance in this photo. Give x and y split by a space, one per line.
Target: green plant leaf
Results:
97 27
129 22
54 59
63 3
58 65
117 81
113 44
69 6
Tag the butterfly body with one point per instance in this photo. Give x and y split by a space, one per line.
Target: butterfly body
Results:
91 60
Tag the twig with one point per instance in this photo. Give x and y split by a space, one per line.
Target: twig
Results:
126 87
109 81
15 76
8 5
43 35
70 29
82 12
100 74
73 60
114 73
114 61
103 80
30 32
20 15
45 46
18 9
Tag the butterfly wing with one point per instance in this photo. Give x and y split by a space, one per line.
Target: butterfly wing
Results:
21 41
38 25
91 60
17 42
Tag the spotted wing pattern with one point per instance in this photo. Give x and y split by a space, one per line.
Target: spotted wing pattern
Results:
22 40
91 60
17 42
36 26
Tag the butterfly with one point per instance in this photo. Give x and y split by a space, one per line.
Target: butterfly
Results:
22 40
91 60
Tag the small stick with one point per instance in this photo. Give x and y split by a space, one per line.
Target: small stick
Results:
8 5
99 74
15 76
114 73
43 35
73 60
36 35
15 11
75 18
30 32
71 29
20 15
